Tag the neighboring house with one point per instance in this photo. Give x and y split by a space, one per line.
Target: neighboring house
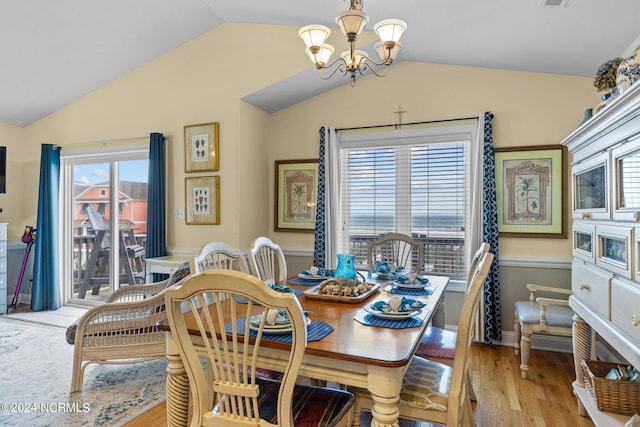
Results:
132 204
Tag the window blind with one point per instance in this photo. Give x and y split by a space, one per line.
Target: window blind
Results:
418 187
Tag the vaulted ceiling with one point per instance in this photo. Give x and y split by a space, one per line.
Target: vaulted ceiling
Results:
53 52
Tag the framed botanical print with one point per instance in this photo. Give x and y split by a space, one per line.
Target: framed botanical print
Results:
202 199
295 195
531 184
201 147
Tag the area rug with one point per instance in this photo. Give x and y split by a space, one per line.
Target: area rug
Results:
36 378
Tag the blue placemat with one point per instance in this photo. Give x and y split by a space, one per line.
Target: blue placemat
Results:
301 282
415 292
316 330
371 320
244 300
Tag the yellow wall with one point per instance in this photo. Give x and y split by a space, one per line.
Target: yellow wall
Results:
204 80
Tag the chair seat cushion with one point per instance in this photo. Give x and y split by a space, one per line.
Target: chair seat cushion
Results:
312 406
425 385
437 343
529 312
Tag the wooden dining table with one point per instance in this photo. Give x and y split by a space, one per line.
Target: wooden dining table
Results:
371 357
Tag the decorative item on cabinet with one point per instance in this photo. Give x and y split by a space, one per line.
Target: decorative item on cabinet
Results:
588 113
628 71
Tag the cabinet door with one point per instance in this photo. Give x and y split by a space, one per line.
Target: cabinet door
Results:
626 181
590 183
584 241
613 249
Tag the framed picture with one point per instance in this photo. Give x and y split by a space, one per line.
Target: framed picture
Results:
531 184
201 147
202 198
296 195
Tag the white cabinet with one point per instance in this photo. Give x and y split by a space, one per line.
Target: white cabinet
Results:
606 238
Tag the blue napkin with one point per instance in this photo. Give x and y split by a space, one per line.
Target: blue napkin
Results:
322 272
406 305
406 279
281 288
382 269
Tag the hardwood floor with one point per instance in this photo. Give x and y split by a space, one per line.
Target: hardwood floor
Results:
504 398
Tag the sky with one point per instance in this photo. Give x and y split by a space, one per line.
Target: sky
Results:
130 170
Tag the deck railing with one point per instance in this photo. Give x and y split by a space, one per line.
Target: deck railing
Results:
444 254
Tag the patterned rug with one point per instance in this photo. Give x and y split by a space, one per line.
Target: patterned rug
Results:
36 378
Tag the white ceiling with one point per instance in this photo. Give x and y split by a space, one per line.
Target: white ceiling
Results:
53 52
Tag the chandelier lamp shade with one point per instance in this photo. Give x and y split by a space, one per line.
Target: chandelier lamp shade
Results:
353 61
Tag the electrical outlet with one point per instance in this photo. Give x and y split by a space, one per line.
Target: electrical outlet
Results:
178 213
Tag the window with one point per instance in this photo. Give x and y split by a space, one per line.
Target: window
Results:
414 182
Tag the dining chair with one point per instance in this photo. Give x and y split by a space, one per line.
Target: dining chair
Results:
219 255
439 344
267 261
230 333
433 392
396 249
549 316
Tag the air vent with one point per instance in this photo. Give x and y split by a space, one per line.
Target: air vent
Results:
554 3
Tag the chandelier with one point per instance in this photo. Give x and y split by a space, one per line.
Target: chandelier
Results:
353 61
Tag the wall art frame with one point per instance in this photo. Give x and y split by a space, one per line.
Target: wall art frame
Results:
201 147
531 185
296 195
202 199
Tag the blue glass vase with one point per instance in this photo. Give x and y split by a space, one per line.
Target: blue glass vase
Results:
346 267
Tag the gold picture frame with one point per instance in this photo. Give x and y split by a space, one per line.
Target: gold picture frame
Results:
296 195
531 184
201 147
202 199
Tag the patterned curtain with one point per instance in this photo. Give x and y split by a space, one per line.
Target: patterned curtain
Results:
492 295
319 245
45 293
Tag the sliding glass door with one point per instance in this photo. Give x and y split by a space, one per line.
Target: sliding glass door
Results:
104 223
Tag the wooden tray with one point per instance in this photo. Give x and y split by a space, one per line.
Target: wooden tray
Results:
314 293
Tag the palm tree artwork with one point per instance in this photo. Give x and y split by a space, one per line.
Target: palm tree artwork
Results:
526 186
299 194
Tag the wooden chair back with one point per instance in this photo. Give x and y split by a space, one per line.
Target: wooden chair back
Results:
219 255
232 356
396 249
459 394
267 261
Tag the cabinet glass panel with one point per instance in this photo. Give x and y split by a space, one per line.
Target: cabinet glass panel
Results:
591 188
628 179
584 242
614 249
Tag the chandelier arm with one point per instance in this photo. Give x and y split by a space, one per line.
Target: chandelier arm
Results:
340 67
380 73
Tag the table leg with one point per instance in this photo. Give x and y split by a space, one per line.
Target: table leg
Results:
385 384
177 387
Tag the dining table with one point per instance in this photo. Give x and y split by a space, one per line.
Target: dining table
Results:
360 351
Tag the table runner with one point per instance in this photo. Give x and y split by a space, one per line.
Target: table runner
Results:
316 330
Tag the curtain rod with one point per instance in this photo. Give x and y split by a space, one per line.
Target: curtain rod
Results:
104 142
409 124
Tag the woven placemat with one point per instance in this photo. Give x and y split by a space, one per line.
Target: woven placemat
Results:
316 330
371 320
392 289
301 282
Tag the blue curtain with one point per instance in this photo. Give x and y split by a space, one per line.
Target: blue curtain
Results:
45 294
319 246
492 295
156 209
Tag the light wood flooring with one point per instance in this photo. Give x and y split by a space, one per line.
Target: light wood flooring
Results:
504 398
